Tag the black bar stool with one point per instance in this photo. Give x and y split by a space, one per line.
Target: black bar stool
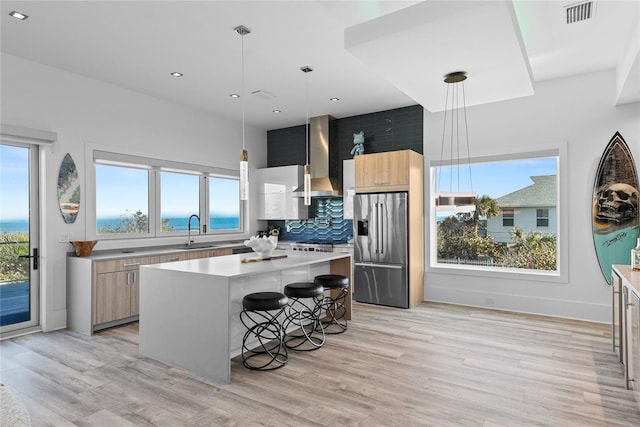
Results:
303 314
334 306
260 312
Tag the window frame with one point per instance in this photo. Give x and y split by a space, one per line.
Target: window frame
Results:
108 155
542 217
561 275
508 214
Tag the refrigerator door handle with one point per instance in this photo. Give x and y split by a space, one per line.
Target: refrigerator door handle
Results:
377 227
368 264
381 216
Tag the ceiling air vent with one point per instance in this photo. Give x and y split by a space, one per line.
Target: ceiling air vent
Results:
261 93
582 11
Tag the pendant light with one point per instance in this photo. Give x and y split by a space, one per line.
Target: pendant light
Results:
454 200
244 156
307 170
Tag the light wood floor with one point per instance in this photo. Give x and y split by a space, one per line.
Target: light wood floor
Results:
433 365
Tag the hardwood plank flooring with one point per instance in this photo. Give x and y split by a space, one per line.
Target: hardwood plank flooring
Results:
433 365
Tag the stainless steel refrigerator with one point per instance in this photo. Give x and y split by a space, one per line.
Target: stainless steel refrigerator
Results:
380 249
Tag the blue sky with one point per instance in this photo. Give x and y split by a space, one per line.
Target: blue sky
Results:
14 183
496 179
179 192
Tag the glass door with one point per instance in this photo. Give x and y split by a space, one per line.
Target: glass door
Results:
19 237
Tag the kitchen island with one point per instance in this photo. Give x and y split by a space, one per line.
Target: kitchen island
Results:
190 310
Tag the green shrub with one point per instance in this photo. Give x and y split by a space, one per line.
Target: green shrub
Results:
12 267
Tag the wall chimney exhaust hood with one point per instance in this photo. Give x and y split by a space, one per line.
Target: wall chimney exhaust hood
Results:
322 185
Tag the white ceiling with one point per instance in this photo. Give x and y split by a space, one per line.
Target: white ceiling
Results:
505 47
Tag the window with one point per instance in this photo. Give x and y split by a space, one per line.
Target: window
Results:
507 217
489 238
224 204
179 199
542 217
144 197
122 200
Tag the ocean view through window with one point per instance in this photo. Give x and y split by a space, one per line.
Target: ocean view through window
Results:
138 197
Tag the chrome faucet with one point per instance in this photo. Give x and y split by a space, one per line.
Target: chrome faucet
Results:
189 241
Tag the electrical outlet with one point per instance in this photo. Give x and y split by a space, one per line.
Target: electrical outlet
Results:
490 301
65 237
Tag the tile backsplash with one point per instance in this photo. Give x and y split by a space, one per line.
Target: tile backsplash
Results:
325 223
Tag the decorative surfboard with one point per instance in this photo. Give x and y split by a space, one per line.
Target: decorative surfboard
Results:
68 190
615 206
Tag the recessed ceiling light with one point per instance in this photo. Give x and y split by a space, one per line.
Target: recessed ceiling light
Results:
18 15
334 99
234 95
177 74
277 111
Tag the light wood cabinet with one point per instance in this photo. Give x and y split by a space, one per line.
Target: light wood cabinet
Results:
399 171
388 171
105 293
117 288
113 296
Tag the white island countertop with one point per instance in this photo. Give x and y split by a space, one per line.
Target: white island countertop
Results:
231 266
190 310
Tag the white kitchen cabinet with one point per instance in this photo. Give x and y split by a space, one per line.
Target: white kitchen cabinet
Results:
276 186
632 340
348 187
626 322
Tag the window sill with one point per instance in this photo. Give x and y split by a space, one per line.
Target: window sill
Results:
501 273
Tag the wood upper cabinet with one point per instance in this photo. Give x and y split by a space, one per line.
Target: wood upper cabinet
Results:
388 171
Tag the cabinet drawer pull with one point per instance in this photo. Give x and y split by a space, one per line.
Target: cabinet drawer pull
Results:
630 304
131 264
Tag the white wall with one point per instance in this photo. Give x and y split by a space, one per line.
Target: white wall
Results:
581 111
86 112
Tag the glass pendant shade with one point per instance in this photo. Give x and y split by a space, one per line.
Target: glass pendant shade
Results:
244 175
307 185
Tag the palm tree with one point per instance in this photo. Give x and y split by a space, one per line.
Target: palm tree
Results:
485 207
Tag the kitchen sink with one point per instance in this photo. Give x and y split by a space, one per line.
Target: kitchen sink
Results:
201 246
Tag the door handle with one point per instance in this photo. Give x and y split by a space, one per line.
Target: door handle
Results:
35 258
381 216
377 229
369 264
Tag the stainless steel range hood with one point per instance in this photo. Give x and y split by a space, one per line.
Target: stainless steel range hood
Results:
322 185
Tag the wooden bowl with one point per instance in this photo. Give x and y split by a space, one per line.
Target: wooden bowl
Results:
83 247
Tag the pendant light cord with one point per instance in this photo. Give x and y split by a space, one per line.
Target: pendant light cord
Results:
452 101
243 94
466 127
306 126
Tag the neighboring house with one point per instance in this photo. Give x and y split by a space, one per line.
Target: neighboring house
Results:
532 208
